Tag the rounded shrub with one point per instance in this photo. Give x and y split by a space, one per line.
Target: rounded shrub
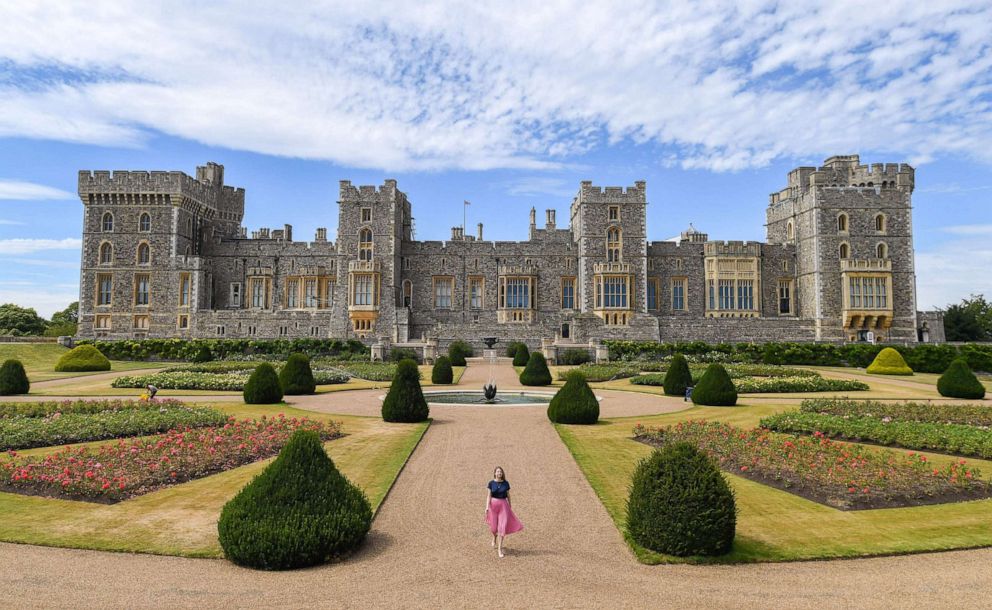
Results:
202 353
83 358
957 382
889 362
680 504
442 373
678 377
574 403
522 355
13 378
511 349
262 387
458 351
405 403
536 371
715 389
300 511
296 376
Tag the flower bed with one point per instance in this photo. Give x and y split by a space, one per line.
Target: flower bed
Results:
62 428
768 385
841 475
128 468
948 413
955 439
229 381
50 407
603 372
370 371
224 366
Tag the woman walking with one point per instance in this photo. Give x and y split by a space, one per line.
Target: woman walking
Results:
499 516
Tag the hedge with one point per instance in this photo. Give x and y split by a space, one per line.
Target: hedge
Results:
13 378
573 356
83 358
458 351
603 372
188 349
959 382
511 349
51 407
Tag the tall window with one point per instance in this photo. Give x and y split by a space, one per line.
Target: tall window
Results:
145 222
785 296
363 291
842 223
475 288
726 288
365 245
712 291
614 213
105 288
868 292
880 223
184 289
442 292
516 293
108 222
310 296
568 293
292 293
881 251
790 230
142 289
653 290
144 254
613 292
613 245
745 294
258 290
678 294
366 214
407 293
845 251
106 253
235 294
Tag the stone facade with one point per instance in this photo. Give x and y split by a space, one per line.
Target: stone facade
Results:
165 255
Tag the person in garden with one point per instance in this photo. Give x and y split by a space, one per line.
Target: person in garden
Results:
499 515
688 393
151 391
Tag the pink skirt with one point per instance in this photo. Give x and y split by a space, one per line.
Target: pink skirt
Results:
501 519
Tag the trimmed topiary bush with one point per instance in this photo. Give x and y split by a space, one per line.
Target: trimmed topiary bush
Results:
957 382
678 376
537 372
574 403
511 349
889 362
296 376
13 379
458 351
300 511
522 357
405 401
262 387
82 358
680 504
715 389
442 373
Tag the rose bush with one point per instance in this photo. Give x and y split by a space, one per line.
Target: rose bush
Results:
49 407
233 380
950 413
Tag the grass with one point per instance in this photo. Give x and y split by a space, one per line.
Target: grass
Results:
39 361
182 520
775 525
929 379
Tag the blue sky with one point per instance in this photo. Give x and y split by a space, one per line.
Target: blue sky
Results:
508 106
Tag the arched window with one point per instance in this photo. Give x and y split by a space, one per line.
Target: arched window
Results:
842 223
790 230
880 223
613 247
106 253
108 222
189 250
881 250
144 222
144 254
189 226
845 250
407 293
365 245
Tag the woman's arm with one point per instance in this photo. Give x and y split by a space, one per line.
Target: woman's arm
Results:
508 503
489 494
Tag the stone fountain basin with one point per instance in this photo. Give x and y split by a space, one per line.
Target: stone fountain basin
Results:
476 398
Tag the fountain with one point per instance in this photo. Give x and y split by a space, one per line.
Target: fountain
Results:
489 390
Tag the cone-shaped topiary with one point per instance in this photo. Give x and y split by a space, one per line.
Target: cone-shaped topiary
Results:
13 379
959 382
300 511
458 351
522 357
296 376
574 403
536 372
442 373
715 389
678 376
680 504
405 401
889 362
263 388
83 358
511 349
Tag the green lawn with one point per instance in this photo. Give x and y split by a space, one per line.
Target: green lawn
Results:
39 360
775 525
929 379
182 520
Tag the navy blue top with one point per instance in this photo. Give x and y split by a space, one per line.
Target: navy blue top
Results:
499 489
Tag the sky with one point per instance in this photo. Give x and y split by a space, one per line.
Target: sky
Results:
508 105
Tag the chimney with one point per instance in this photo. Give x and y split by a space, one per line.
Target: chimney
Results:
321 234
533 217
550 219
479 234
456 233
287 232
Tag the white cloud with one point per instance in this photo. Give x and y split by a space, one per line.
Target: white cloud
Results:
725 85
4 221
42 298
28 246
537 185
969 230
16 189
952 271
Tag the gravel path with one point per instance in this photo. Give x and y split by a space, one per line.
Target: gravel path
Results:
429 548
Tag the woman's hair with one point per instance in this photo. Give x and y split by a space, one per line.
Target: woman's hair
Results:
499 468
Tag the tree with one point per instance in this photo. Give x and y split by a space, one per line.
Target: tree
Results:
69 315
970 320
24 320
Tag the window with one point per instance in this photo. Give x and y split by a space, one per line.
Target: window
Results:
745 294
102 322
712 291
258 291
105 289
221 330
678 294
842 223
868 292
726 294
568 293
108 222
613 245
613 292
845 251
515 293
142 290
310 296
442 292
292 293
182 323
365 245
144 254
785 265
140 322
366 214
363 289
881 251
407 293
653 290
880 223
678 264
785 296
189 226
184 289
790 230
235 295
144 223
106 253
475 292
614 212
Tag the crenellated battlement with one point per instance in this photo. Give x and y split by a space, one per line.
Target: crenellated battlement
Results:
845 171
366 192
589 193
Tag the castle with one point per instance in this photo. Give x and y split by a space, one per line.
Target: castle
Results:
165 255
